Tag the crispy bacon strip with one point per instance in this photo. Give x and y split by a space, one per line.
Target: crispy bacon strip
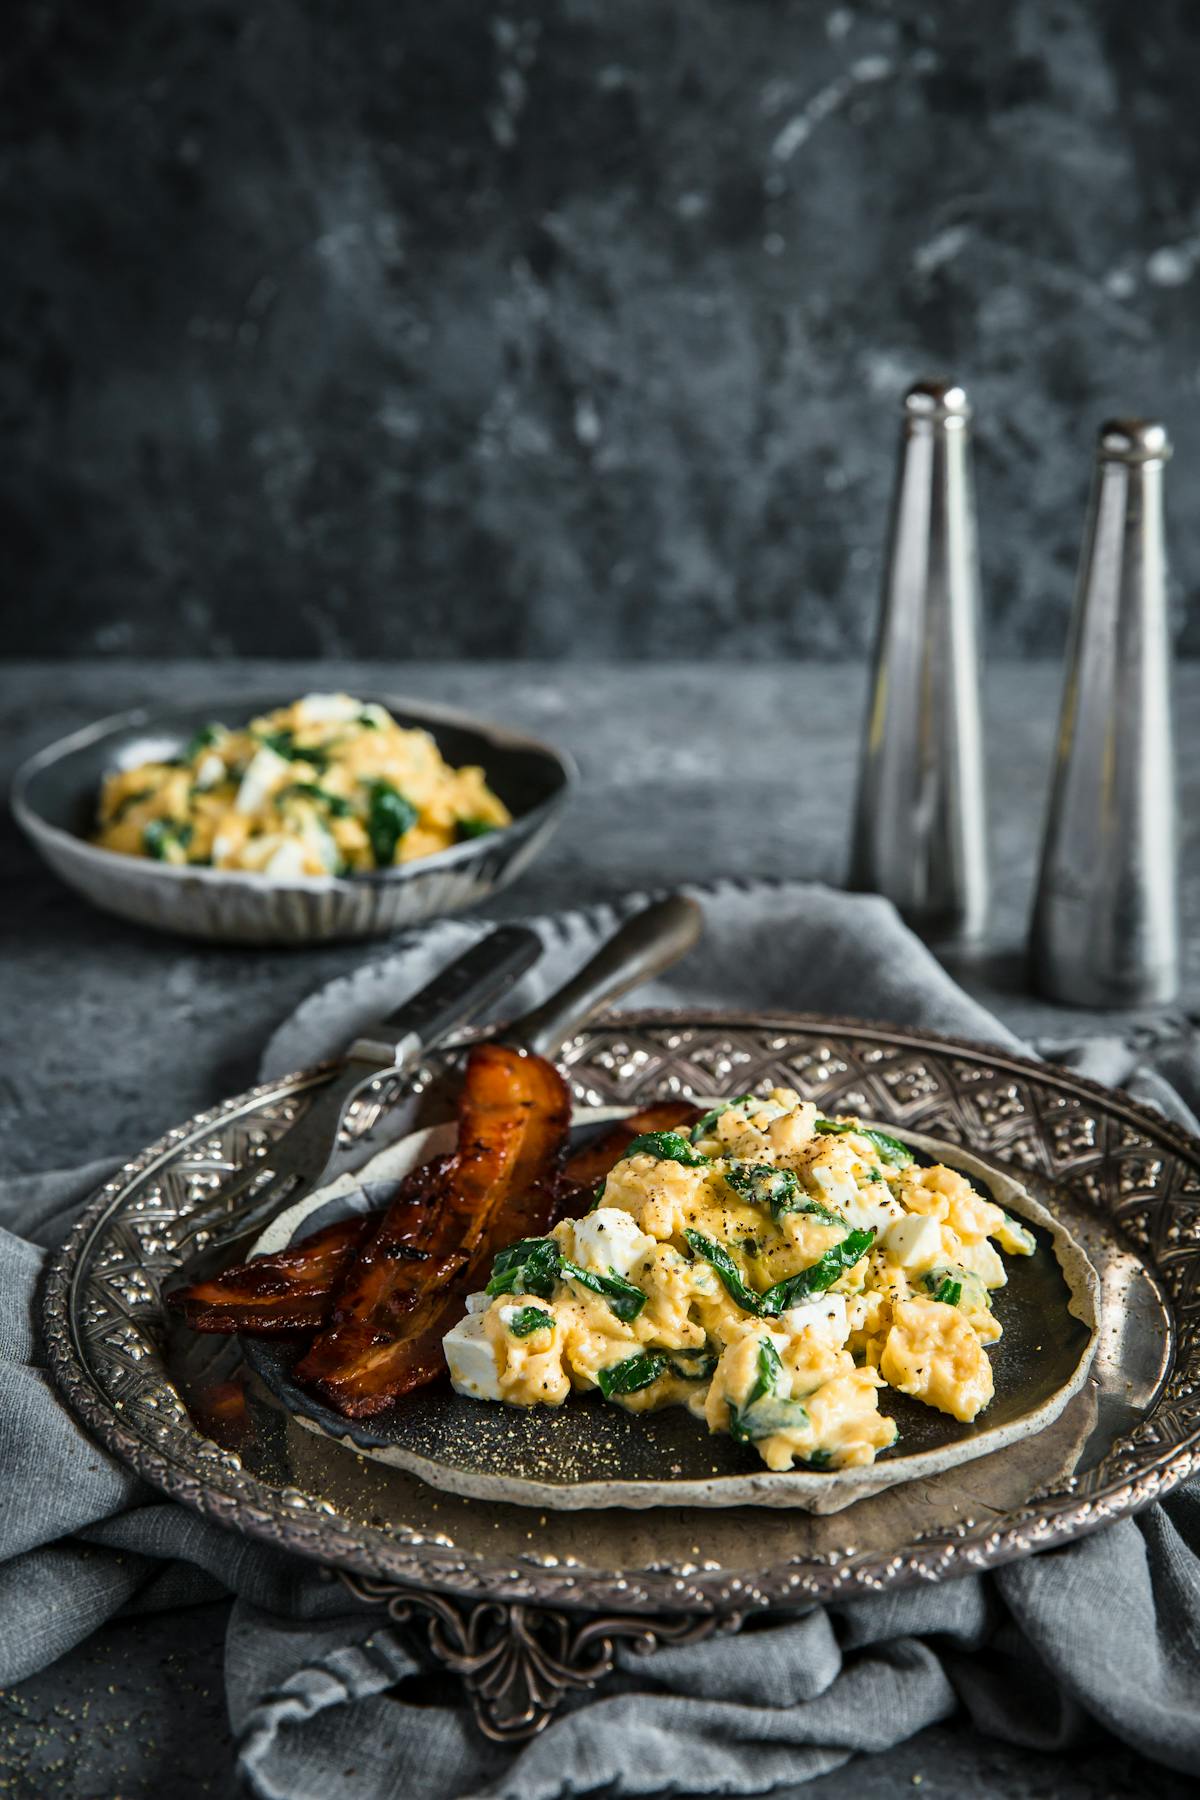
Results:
293 1290
290 1291
514 1113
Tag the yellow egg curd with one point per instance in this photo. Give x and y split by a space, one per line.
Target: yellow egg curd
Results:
771 1271
326 786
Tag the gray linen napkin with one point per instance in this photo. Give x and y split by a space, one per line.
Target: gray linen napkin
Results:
324 1699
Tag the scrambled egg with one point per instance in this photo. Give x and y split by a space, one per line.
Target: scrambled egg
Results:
771 1272
326 786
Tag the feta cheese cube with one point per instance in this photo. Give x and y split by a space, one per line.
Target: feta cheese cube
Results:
915 1242
470 1359
209 770
874 1214
286 862
321 842
327 709
477 1303
824 1315
609 1239
837 1190
264 773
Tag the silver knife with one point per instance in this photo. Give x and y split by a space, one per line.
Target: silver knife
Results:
301 1156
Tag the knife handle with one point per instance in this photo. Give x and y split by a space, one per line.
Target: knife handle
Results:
457 993
646 944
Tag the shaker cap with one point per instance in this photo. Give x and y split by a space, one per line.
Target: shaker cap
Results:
1133 441
937 399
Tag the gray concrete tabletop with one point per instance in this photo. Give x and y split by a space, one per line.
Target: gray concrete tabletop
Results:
110 1035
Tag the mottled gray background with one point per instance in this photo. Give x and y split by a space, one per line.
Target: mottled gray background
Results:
571 327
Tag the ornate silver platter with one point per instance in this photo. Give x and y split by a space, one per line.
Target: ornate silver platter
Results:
503 1589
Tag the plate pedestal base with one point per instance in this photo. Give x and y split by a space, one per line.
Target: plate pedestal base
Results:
519 1663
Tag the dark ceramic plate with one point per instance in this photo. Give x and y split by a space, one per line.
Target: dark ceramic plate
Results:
54 799
587 1453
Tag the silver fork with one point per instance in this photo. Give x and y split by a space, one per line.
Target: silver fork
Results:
648 942
301 1156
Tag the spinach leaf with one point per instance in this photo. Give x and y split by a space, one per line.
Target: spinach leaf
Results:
767 1407
127 802
531 1266
818 1459
668 1146
623 1297
389 816
634 1373
779 1189
530 1319
283 743
335 804
704 1125
893 1151
730 1275
765 1186
898 1154
201 740
819 1275
474 828
804 1203
955 1286
368 721
160 836
770 1377
814 1280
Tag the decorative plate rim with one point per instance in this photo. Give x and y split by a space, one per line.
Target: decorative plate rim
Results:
213 1482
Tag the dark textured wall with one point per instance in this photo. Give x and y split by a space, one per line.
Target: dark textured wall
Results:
570 327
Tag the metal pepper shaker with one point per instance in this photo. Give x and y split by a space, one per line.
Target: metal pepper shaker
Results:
1105 925
920 828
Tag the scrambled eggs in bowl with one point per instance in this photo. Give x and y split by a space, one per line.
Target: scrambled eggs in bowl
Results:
772 1272
326 786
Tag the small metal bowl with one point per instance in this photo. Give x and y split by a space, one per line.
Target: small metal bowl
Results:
54 800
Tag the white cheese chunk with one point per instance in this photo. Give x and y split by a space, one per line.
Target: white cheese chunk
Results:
873 1215
837 1190
609 1239
470 1359
320 840
477 1303
264 773
209 770
915 1242
327 709
824 1315
286 862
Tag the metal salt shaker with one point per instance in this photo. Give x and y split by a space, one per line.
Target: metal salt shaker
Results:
1105 926
920 830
